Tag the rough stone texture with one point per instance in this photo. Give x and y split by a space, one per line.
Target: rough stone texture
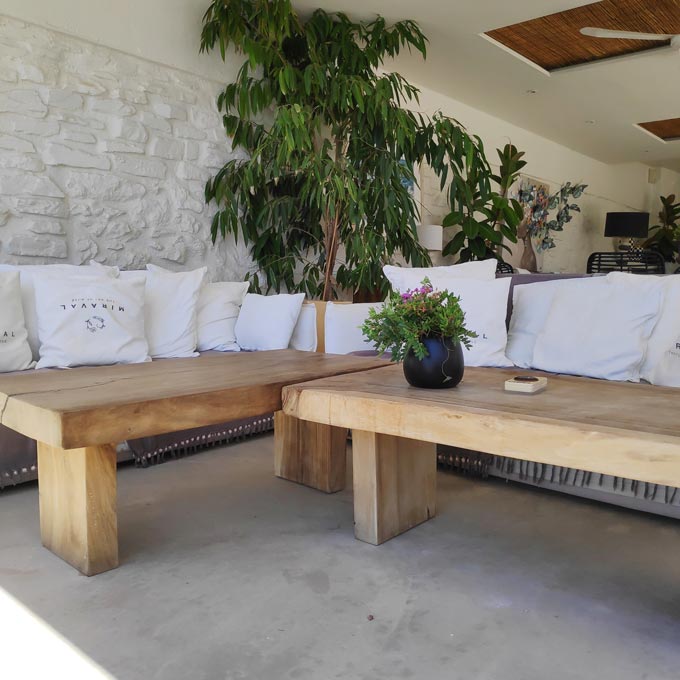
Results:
104 155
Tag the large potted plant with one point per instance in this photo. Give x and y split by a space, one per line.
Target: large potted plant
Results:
665 236
486 224
321 193
424 328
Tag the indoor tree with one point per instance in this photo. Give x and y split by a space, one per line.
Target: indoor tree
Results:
330 144
485 220
666 235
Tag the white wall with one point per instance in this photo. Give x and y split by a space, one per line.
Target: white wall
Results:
121 190
165 31
105 155
610 187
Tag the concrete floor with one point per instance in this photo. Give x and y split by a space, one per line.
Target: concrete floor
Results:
228 573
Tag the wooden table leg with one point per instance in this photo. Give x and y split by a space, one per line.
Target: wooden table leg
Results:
395 485
310 453
78 519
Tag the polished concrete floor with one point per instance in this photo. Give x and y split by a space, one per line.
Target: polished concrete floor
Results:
230 574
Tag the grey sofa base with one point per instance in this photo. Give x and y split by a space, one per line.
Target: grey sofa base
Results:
19 453
645 497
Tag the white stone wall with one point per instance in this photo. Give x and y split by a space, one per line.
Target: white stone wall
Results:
104 155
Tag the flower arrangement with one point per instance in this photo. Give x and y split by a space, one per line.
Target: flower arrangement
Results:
538 202
407 318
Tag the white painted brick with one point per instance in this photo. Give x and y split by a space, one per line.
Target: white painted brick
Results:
22 101
155 122
129 130
35 126
21 162
192 172
143 167
53 227
213 156
107 187
113 107
60 154
191 151
167 109
32 205
77 136
122 146
187 131
170 149
203 118
18 184
64 99
124 140
28 245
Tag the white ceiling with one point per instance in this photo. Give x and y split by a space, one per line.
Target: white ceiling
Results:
615 94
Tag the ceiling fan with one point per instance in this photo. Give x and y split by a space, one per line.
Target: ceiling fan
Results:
631 35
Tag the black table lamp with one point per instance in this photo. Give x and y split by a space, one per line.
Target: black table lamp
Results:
630 225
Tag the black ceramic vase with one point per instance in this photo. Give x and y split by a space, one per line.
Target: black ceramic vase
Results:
442 367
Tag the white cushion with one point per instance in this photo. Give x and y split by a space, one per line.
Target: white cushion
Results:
304 336
485 304
598 331
662 360
408 278
27 272
92 320
171 311
15 352
218 308
267 321
530 308
343 327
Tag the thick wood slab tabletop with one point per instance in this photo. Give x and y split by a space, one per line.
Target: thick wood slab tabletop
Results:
106 404
629 430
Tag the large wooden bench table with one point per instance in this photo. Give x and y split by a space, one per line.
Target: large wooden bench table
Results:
77 416
620 429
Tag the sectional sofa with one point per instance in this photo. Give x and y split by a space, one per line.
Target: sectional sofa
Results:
335 328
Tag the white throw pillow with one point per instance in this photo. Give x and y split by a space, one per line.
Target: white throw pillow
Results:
15 352
304 336
218 308
530 308
267 321
662 360
171 311
27 273
601 333
343 327
90 321
408 278
485 304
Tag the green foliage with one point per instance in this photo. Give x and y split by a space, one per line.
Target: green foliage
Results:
329 146
406 318
486 216
666 235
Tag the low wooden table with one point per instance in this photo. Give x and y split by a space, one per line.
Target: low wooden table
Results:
77 416
619 429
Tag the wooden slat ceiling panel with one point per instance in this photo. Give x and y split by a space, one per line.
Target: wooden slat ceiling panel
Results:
668 130
555 41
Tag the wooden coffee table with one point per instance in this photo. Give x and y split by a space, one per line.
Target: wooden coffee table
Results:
620 429
77 416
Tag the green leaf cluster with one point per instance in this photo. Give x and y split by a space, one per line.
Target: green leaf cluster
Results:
665 236
484 213
330 146
405 319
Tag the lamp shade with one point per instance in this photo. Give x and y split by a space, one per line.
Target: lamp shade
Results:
627 225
